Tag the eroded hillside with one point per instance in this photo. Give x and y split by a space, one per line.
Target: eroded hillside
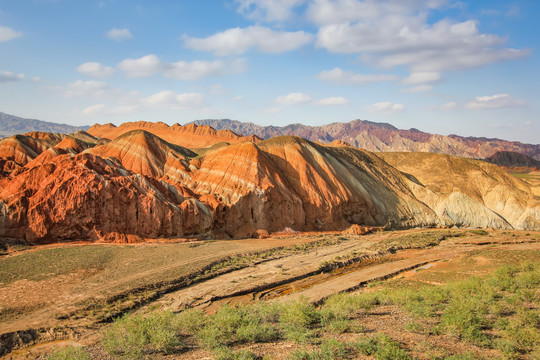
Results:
139 186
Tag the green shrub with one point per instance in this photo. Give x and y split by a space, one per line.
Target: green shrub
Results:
224 353
251 323
298 335
344 305
190 321
388 349
299 313
366 346
328 350
133 336
382 347
256 332
69 353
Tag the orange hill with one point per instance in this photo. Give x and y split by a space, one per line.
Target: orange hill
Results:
189 136
142 186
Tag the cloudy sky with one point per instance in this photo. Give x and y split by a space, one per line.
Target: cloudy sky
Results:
442 66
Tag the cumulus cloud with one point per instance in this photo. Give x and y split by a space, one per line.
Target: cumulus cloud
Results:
293 99
7 33
119 34
418 89
194 70
95 69
93 109
339 76
142 67
332 101
82 89
267 10
391 33
8 76
171 99
495 102
239 40
423 77
182 70
271 110
386 108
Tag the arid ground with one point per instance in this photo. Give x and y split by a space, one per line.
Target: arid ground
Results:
53 297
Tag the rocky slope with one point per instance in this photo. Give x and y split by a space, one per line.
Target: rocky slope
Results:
78 187
374 136
454 185
189 136
513 159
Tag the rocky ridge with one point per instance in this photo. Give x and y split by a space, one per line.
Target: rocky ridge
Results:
139 185
378 137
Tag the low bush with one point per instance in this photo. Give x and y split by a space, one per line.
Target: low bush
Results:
136 335
69 353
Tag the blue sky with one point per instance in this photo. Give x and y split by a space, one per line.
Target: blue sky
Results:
442 66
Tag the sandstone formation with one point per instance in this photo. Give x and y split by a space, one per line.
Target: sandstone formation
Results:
374 136
81 187
189 136
513 159
469 192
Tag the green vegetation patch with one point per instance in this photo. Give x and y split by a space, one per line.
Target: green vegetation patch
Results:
47 263
416 240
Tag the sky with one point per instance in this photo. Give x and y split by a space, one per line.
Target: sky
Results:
442 66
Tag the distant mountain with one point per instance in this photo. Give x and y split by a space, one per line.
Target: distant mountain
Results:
512 159
11 125
375 136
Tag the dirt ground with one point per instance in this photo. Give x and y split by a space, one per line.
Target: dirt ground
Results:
73 282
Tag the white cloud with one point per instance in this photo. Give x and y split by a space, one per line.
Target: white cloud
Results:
125 109
182 70
339 76
448 106
95 69
422 77
293 99
495 102
119 34
8 76
386 108
332 101
267 10
239 40
93 109
418 89
82 89
272 110
7 34
142 67
238 98
171 99
392 33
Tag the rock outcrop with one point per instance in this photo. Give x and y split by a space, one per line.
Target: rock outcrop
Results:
468 192
189 136
374 136
137 186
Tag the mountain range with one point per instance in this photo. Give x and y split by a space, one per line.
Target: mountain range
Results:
378 137
11 125
127 183
362 134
